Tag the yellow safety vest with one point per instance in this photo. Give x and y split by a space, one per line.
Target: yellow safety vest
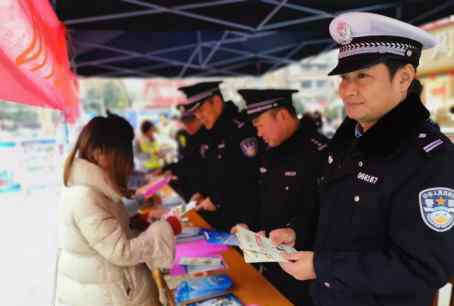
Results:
151 147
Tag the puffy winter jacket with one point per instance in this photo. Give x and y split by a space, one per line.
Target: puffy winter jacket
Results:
101 262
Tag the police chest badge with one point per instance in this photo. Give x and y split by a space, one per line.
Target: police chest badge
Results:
437 208
249 146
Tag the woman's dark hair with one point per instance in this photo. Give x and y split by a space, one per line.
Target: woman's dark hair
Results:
111 135
394 64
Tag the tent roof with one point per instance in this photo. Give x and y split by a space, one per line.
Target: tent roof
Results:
181 38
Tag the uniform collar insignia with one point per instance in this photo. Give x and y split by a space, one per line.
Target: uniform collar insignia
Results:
225 121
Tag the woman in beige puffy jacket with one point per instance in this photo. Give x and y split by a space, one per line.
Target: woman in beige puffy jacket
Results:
101 261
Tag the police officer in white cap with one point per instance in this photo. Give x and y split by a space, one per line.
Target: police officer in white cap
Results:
385 233
230 193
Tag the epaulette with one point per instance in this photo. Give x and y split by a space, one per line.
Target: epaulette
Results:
239 123
430 139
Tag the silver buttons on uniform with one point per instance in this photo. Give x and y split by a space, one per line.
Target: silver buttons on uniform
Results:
327 285
330 159
287 187
360 164
356 198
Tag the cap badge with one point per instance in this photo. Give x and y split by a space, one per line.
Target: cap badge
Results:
343 33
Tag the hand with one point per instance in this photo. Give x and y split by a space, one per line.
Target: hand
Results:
300 265
285 236
197 197
156 212
261 233
206 204
236 228
148 203
130 193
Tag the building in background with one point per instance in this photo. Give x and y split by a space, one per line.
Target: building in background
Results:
436 72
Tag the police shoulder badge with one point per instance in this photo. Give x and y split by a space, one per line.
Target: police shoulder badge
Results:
437 208
249 146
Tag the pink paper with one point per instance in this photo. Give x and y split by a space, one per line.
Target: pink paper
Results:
194 249
158 185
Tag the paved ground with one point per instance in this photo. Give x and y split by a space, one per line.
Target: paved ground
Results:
28 232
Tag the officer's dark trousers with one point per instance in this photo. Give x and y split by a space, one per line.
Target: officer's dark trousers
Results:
294 290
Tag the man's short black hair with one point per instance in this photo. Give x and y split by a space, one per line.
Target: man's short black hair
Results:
394 65
289 107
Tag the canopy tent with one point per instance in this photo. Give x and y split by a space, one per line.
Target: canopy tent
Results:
182 38
34 65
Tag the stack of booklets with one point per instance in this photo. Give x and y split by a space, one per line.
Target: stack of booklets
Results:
190 234
202 289
216 237
212 237
226 300
202 264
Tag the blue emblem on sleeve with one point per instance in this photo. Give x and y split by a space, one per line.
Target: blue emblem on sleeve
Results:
437 208
249 146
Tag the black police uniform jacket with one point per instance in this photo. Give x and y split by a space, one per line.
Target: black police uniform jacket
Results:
288 192
232 163
288 183
384 235
190 170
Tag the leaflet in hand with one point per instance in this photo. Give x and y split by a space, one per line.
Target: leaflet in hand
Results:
189 206
257 248
190 234
156 186
179 210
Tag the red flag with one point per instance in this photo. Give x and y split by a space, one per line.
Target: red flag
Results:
34 66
